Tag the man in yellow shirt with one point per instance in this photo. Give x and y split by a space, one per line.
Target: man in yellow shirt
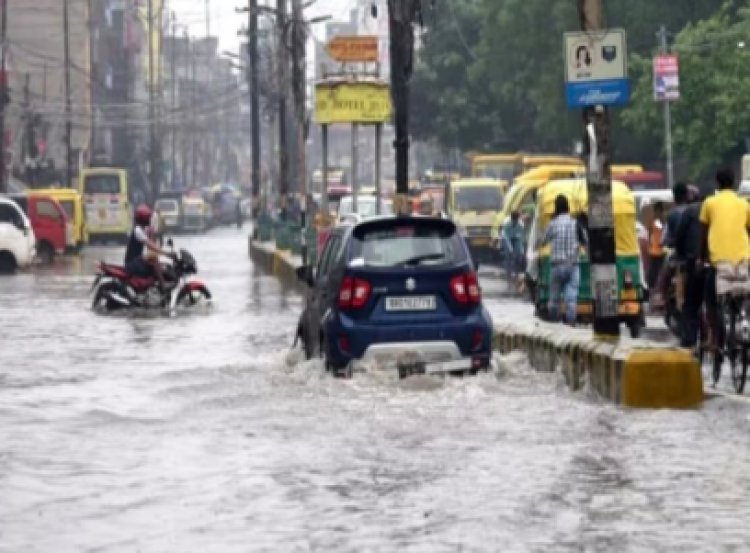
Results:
725 219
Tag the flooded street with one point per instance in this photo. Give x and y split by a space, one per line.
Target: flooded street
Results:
202 433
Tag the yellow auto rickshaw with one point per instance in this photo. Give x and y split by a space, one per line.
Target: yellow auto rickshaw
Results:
631 290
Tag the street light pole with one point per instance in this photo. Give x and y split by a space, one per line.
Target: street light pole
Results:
68 122
3 94
664 48
254 102
281 21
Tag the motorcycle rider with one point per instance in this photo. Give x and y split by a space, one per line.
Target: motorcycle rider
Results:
142 253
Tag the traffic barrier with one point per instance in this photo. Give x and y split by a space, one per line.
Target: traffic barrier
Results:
632 374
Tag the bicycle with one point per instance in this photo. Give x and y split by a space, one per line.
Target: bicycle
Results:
733 311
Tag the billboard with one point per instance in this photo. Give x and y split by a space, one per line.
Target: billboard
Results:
352 102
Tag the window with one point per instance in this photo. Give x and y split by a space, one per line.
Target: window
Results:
478 198
70 208
102 184
11 214
392 244
167 206
45 208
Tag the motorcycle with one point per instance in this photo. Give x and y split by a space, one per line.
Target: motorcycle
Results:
114 289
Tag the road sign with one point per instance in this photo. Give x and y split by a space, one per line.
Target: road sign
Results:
352 102
596 69
353 48
666 78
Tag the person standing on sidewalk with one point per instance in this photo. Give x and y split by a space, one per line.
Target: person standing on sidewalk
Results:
566 238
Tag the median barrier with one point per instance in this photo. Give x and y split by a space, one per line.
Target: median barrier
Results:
632 373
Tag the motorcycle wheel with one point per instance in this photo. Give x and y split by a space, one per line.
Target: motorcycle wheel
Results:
103 303
189 298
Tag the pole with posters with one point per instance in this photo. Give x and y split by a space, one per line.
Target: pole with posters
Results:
666 90
596 78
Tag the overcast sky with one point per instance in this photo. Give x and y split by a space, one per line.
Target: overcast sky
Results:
225 22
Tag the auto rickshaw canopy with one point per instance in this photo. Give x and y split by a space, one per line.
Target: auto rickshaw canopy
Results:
623 209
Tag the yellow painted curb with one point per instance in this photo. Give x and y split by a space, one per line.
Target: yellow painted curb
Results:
662 379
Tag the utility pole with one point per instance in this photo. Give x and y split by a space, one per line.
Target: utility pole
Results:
604 287
68 122
194 125
299 38
173 99
151 192
281 24
3 94
253 74
663 36
403 15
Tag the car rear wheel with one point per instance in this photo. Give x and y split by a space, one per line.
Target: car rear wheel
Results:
8 263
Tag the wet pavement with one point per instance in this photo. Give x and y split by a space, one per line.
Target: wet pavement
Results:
201 432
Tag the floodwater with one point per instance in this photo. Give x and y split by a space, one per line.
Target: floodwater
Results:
203 433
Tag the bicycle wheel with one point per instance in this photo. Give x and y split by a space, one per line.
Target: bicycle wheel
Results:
731 343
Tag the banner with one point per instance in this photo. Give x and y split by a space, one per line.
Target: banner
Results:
666 78
352 102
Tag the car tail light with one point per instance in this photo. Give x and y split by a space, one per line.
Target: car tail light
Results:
465 289
354 293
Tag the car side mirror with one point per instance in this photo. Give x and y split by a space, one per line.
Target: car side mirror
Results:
305 274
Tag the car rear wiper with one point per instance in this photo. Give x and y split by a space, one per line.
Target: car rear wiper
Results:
416 260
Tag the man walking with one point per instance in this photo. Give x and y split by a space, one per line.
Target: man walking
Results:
687 245
566 237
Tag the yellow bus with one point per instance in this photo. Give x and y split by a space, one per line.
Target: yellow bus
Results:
509 166
105 196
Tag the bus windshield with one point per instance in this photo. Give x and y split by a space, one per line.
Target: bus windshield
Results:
102 184
478 198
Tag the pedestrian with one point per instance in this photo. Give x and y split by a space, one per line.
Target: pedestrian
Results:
513 245
680 195
566 239
655 249
687 245
155 226
725 220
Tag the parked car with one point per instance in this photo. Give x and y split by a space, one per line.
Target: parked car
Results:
17 240
366 208
399 291
50 223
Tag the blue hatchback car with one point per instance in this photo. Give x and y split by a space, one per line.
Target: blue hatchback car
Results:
401 291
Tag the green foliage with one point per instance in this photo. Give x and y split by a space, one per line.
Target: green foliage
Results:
490 77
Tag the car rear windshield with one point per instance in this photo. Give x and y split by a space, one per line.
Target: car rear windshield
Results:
407 243
167 206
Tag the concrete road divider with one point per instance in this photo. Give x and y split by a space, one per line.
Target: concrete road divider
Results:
633 373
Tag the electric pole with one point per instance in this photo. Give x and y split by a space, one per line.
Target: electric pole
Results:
299 37
281 24
403 15
663 36
253 74
152 187
173 100
3 94
604 287
68 122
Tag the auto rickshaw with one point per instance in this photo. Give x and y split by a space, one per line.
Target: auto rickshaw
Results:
631 290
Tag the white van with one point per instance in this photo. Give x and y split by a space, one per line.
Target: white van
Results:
17 240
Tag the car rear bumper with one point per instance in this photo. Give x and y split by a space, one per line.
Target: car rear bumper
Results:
430 344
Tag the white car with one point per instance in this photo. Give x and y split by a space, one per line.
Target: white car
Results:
366 209
169 213
17 240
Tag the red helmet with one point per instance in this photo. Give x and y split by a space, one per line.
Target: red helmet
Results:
143 215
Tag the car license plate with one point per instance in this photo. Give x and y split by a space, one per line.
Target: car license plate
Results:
411 303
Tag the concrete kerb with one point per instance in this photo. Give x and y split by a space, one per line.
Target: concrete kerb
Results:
632 374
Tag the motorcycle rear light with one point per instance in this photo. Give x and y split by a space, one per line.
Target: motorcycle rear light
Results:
344 344
465 289
354 293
